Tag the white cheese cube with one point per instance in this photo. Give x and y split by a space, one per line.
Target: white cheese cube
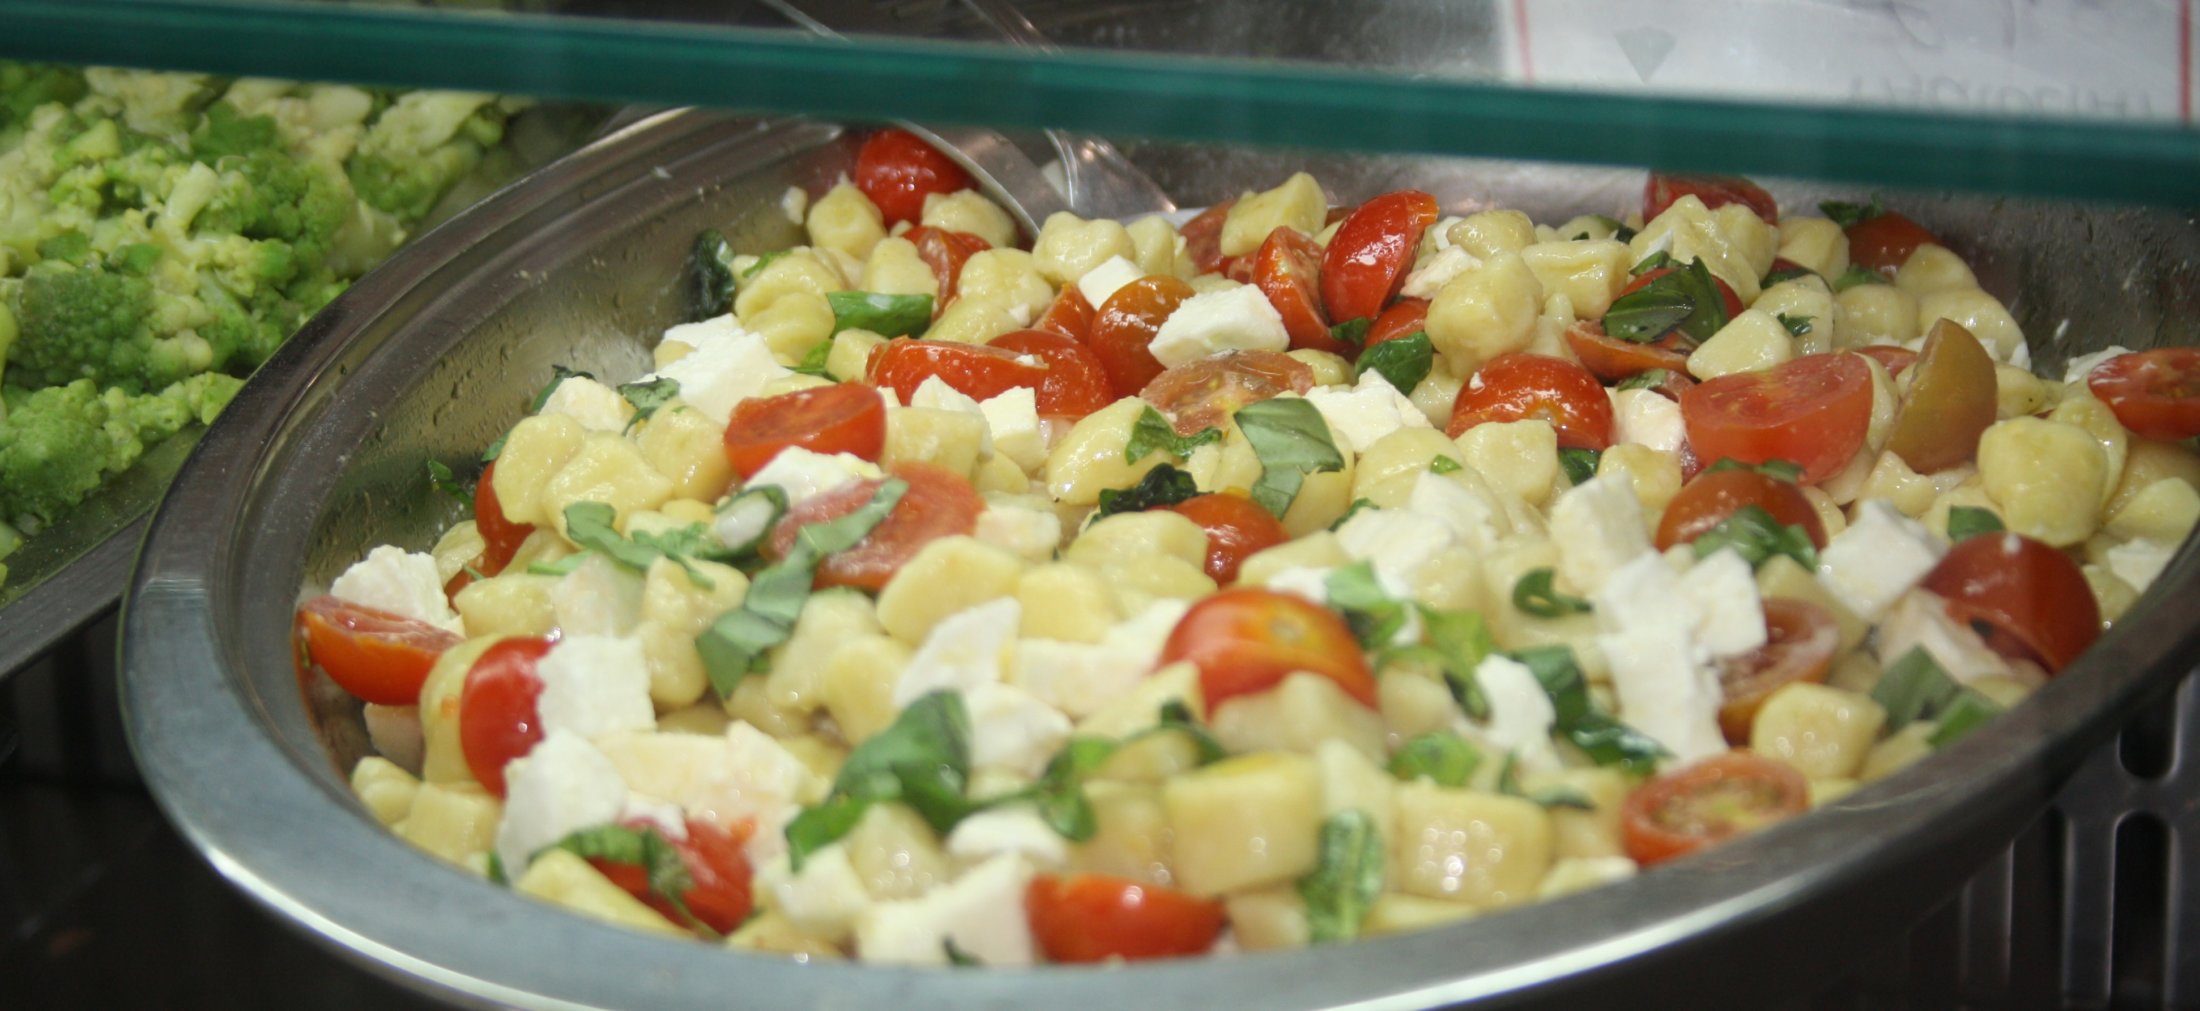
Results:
1429 278
936 394
1664 691
1013 420
728 365
562 786
1643 594
2082 366
1103 280
982 912
1724 590
1598 527
1371 409
401 582
825 898
743 775
594 685
1239 319
1078 678
1012 730
964 651
2139 561
600 597
804 474
1919 620
1015 829
1021 530
1521 714
1395 543
1308 581
1647 418
1147 631
597 407
1467 506
1878 558
702 333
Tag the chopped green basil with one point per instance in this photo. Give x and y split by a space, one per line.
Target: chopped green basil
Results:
1786 274
1347 876
1603 738
1796 326
922 760
1291 440
1580 464
1375 618
757 265
1915 688
1648 379
1060 791
558 375
1620 231
1686 299
956 956
1455 643
561 567
1784 470
1177 717
1966 522
813 362
442 480
648 397
749 516
640 846
1351 331
1967 712
884 315
1443 758
1152 433
1855 275
1755 535
1445 465
1508 783
1650 263
1402 362
711 275
1351 511
1848 215
590 525
1534 594
1162 486
495 870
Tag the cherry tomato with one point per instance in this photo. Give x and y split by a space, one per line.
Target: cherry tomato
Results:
1520 386
1288 271
1094 917
1075 385
719 894
1613 360
939 503
500 537
2028 599
1404 318
1715 191
1711 497
1702 805
897 170
377 656
1811 411
1070 315
1246 640
1727 297
1893 358
1884 243
1203 237
1368 257
1238 268
1800 640
497 721
1950 402
978 371
1236 528
2154 393
945 252
1204 392
1783 265
1125 325
841 418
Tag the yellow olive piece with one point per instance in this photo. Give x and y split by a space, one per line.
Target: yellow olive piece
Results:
1951 401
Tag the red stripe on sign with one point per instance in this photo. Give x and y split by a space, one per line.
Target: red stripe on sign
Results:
1527 58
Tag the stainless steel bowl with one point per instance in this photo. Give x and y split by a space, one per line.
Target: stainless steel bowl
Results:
436 352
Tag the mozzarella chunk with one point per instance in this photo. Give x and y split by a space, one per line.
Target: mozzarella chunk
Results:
599 597
1664 691
1879 557
1013 420
597 407
1371 409
982 912
2139 561
1647 418
728 365
1395 542
562 786
594 685
1449 262
1724 589
744 774
805 474
1598 527
1468 508
1021 530
1011 729
1103 280
1237 319
1082 679
1521 714
1016 829
824 898
1920 621
936 394
1643 594
401 582
2082 366
963 652
1309 581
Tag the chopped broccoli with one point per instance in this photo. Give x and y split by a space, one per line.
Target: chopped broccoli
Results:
78 323
26 86
57 444
421 145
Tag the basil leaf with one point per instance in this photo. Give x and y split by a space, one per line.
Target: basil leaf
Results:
495 872
1755 535
1651 262
884 315
1351 511
558 374
1710 314
590 525
1176 716
710 275
1648 379
1784 470
1620 231
757 266
747 518
1966 522
1647 313
734 645
1351 331
563 566
956 956
1461 640
1060 791
1445 465
818 827
1162 486
1443 758
1849 215
442 480
1534 594
1914 688
1786 274
1152 433
1967 712
495 449
1291 440
648 397
1855 275
1508 783
1347 877
813 363
1604 739
1797 326
1580 464
640 846
1375 619
1402 362
922 760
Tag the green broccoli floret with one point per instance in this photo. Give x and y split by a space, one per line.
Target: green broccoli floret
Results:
88 323
26 86
268 195
57 444
420 146
225 131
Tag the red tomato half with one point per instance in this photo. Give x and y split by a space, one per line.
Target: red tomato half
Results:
2029 600
1124 327
897 171
1245 640
720 894
377 656
2154 393
977 371
1520 386
1288 271
1368 257
1236 529
1702 805
1070 315
497 721
939 503
1075 385
1884 243
1811 411
1613 360
1404 318
1715 191
1800 640
500 537
1094 917
1204 392
945 252
1708 499
1203 237
841 418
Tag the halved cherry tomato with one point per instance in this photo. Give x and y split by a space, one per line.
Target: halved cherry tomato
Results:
500 537
1520 386
1811 411
1702 805
1095 917
1950 401
1238 268
977 371
1125 325
945 252
1368 257
1070 315
1246 640
1727 296
1884 243
377 656
1075 385
1203 237
939 503
1800 640
1288 271
720 890
1708 499
2027 599
897 170
841 418
1613 360
2154 393
1715 191
1236 529
497 720
1404 318
1783 265
1894 359
1204 392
